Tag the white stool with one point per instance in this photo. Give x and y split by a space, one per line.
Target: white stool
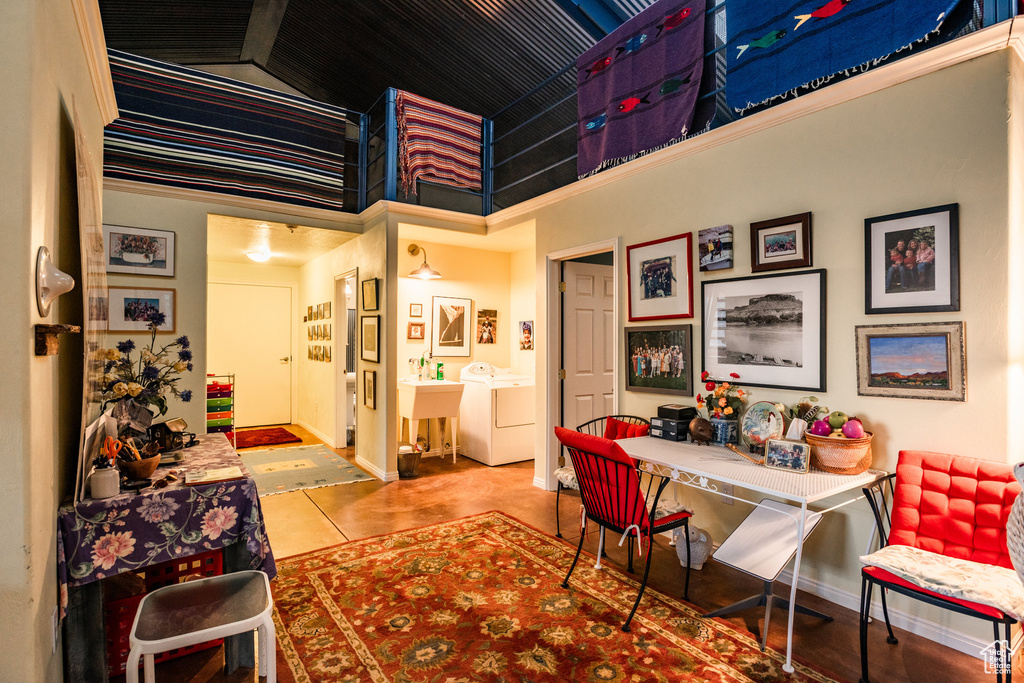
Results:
197 611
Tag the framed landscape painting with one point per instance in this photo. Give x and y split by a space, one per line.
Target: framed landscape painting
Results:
915 360
769 330
660 359
660 278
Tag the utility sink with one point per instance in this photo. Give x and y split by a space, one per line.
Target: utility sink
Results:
422 400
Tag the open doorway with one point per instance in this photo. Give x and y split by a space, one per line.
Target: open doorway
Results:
345 368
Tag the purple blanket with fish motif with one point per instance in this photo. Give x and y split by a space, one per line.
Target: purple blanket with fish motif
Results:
637 87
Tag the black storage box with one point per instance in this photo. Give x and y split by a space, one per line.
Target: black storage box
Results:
675 411
673 430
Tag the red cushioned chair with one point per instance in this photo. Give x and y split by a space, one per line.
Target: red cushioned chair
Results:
614 499
610 427
948 505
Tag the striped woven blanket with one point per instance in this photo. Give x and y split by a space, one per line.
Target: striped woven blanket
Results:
437 143
186 128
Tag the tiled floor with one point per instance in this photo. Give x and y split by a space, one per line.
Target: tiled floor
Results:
302 521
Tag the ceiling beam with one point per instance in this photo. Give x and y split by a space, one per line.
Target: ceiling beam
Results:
594 16
261 34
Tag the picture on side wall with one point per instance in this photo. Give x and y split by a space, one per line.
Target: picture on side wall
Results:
781 243
370 389
309 333
486 325
139 251
327 331
309 313
327 354
310 351
415 331
327 310
451 326
914 360
660 278
369 348
714 248
660 359
526 335
130 309
415 310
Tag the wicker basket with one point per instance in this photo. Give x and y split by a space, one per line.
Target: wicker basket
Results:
838 455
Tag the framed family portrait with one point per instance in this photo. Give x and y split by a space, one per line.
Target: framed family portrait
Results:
912 261
415 331
451 326
370 389
660 278
369 349
138 251
914 360
781 243
371 290
783 454
769 330
660 359
131 307
714 248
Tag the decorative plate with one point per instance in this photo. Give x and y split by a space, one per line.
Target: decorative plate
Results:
761 422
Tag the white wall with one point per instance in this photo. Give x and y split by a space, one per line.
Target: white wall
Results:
523 306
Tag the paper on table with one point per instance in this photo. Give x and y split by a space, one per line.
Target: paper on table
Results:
212 476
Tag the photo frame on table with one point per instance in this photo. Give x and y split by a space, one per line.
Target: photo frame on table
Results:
660 278
129 308
714 248
371 290
926 239
370 389
415 310
369 348
912 360
660 359
138 251
415 331
768 329
791 456
451 326
781 243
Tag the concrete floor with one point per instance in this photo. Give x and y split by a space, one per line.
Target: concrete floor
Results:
302 521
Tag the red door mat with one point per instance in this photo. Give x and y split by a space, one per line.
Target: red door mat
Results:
269 436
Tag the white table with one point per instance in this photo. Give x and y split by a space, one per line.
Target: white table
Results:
704 467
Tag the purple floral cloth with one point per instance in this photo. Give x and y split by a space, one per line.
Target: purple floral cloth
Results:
131 531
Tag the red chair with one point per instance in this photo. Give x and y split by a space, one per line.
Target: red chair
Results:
614 499
952 507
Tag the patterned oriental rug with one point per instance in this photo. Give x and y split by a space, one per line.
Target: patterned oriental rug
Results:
268 436
480 599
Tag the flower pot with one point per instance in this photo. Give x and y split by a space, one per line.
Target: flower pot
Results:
724 431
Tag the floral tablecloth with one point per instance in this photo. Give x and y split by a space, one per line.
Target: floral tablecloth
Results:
101 538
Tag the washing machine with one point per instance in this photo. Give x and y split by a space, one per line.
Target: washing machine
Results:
496 416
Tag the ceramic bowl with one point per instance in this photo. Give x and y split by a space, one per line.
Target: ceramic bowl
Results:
139 469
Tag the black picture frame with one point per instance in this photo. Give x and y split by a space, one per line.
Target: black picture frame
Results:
890 287
369 346
640 374
781 243
370 389
371 292
776 342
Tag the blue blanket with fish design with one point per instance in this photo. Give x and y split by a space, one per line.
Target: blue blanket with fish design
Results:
637 87
778 46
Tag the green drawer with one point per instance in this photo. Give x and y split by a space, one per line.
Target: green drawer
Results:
218 423
220 403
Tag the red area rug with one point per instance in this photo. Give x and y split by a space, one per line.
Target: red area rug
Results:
480 599
269 436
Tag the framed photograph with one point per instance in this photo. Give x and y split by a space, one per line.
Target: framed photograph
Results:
370 389
319 311
415 331
327 310
915 360
526 335
660 275
319 355
781 243
327 331
486 325
714 248
309 350
309 333
130 308
769 330
370 347
415 310
783 454
139 251
370 292
660 359
309 313
451 326
327 354
912 261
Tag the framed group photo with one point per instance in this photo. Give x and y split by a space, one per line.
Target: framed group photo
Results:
129 309
660 278
769 330
139 251
660 359
451 326
781 243
912 261
914 360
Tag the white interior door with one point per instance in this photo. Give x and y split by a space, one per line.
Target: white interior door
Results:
345 379
588 322
249 333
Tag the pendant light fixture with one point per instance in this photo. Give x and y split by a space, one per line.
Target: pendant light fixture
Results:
424 272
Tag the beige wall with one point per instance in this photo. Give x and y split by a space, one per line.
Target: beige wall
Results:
938 139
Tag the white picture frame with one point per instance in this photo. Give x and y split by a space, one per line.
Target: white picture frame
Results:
129 305
138 251
451 326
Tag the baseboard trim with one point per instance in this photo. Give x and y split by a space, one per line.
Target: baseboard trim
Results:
376 471
317 433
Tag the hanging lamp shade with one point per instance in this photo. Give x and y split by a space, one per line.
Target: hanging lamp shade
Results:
424 272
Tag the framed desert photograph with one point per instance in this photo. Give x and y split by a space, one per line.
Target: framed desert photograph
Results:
415 331
714 248
912 261
781 243
486 325
139 251
914 360
369 348
660 278
131 307
770 330
660 359
783 454
451 326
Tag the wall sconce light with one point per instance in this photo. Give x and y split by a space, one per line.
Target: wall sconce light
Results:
424 272
51 281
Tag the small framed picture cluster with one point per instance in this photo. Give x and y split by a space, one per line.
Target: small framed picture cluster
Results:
135 251
317 331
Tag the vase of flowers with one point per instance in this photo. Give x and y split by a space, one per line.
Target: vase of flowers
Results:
724 402
138 386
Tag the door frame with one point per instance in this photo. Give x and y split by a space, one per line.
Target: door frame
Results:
553 355
341 323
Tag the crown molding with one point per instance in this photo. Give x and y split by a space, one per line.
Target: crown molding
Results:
90 30
968 47
402 210
1016 40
